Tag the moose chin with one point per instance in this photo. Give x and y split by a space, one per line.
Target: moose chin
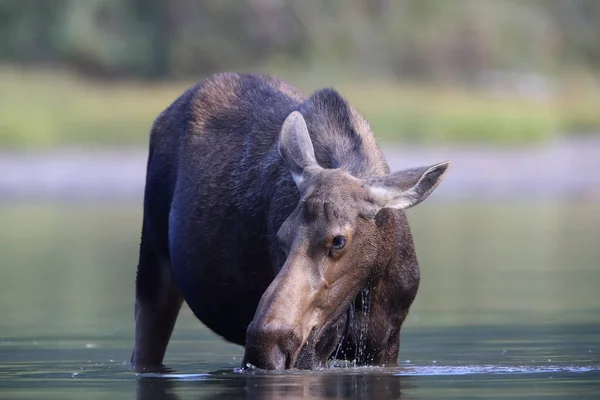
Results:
276 218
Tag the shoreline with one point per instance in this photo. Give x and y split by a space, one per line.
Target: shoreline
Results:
563 169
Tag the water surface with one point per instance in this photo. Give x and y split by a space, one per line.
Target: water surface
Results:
508 308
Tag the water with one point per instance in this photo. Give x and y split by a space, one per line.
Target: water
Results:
508 308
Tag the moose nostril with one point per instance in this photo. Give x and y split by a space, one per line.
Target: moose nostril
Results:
271 347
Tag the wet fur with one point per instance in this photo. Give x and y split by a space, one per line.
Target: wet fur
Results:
217 191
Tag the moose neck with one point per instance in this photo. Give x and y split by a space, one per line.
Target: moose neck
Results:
341 137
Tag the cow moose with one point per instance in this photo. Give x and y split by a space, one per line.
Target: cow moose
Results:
276 218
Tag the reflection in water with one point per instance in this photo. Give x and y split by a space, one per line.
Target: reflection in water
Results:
155 389
371 383
305 385
503 285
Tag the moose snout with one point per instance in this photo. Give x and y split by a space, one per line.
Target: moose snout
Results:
271 346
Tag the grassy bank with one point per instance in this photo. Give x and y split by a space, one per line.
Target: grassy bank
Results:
42 109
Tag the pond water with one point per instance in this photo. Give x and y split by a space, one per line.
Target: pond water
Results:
508 308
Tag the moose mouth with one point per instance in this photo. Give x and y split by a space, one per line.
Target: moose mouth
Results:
277 349
320 346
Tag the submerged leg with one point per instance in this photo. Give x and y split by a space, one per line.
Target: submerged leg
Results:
157 304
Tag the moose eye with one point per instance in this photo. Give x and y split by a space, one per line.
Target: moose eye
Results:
338 242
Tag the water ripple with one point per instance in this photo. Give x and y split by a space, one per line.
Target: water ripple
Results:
491 369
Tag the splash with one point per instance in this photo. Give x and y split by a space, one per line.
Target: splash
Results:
366 310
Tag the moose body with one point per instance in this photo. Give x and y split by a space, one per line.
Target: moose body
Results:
276 218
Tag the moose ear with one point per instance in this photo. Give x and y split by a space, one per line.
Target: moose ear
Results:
406 188
297 149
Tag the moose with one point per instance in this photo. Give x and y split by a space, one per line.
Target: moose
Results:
276 218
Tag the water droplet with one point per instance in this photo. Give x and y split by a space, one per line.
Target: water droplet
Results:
434 361
503 352
74 374
549 360
111 360
407 361
90 346
589 351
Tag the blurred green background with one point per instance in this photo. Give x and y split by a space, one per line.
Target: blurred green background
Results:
505 72
508 90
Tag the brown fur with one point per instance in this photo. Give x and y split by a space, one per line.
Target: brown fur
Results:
217 95
363 128
285 88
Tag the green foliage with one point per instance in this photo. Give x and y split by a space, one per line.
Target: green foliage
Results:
49 109
451 114
429 39
450 51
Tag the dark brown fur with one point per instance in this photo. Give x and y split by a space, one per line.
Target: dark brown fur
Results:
226 228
